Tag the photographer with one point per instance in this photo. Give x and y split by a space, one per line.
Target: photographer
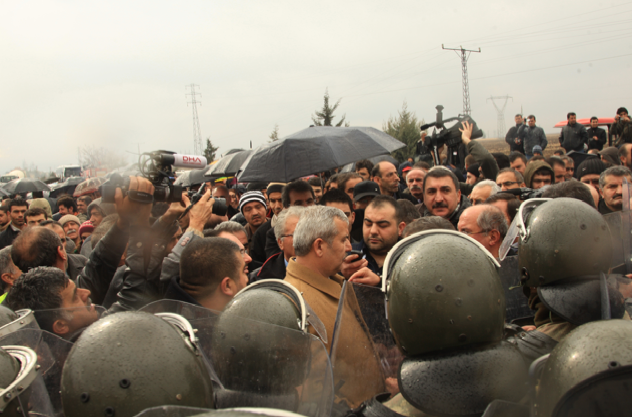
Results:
621 127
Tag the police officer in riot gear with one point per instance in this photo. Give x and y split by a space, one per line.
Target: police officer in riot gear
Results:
564 255
18 373
130 361
451 326
589 373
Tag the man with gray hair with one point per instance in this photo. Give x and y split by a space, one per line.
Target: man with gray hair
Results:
485 224
275 266
611 186
321 242
482 191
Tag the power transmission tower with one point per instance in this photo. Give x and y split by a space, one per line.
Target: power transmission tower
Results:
197 136
464 54
501 113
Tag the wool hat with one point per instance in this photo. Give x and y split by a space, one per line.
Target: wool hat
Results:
538 149
251 197
590 166
86 227
473 169
69 218
43 204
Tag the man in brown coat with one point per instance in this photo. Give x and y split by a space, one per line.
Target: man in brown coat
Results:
321 242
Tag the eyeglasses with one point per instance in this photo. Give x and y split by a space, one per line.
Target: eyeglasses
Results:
507 183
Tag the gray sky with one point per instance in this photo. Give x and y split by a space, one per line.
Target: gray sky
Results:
113 74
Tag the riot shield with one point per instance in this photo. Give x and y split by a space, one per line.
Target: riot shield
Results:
364 356
25 320
26 396
517 304
52 352
186 310
173 411
263 365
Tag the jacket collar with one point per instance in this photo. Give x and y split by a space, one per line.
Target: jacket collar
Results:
330 285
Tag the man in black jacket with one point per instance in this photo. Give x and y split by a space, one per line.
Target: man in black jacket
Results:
515 135
596 136
275 265
17 208
573 135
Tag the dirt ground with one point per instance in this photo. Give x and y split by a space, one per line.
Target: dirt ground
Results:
499 145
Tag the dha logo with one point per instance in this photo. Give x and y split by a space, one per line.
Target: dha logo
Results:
191 159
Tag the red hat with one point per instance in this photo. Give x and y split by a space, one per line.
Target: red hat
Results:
86 227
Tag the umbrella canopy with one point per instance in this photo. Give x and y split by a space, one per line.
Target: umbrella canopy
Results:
315 149
190 178
3 193
66 187
25 185
91 185
229 165
351 167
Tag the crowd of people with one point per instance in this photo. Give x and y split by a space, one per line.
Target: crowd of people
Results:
394 268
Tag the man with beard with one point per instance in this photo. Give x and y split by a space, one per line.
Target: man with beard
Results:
382 228
4 218
611 186
275 203
253 206
597 137
415 182
442 196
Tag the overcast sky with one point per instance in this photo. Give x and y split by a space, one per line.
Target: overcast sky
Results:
113 74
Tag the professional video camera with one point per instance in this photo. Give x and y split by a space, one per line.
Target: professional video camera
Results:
524 193
219 207
449 136
157 167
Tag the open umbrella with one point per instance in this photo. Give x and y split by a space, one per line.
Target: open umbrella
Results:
315 149
66 187
25 185
91 185
351 167
229 165
191 178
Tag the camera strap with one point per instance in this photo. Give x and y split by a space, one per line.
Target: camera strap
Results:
140 197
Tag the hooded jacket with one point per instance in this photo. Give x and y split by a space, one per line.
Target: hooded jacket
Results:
532 167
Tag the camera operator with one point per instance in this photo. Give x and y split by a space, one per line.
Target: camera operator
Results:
622 127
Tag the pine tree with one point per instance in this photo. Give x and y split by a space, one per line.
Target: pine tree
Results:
274 136
209 152
404 127
325 116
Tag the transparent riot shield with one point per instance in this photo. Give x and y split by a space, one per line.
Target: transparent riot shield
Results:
26 395
517 304
364 356
187 310
25 320
52 352
268 366
173 411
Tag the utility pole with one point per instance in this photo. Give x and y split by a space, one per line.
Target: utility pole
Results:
501 113
197 136
464 54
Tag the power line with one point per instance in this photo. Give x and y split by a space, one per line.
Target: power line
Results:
465 54
501 113
197 136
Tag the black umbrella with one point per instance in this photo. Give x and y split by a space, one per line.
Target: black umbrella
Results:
3 193
351 167
228 165
66 187
25 185
315 149
190 178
